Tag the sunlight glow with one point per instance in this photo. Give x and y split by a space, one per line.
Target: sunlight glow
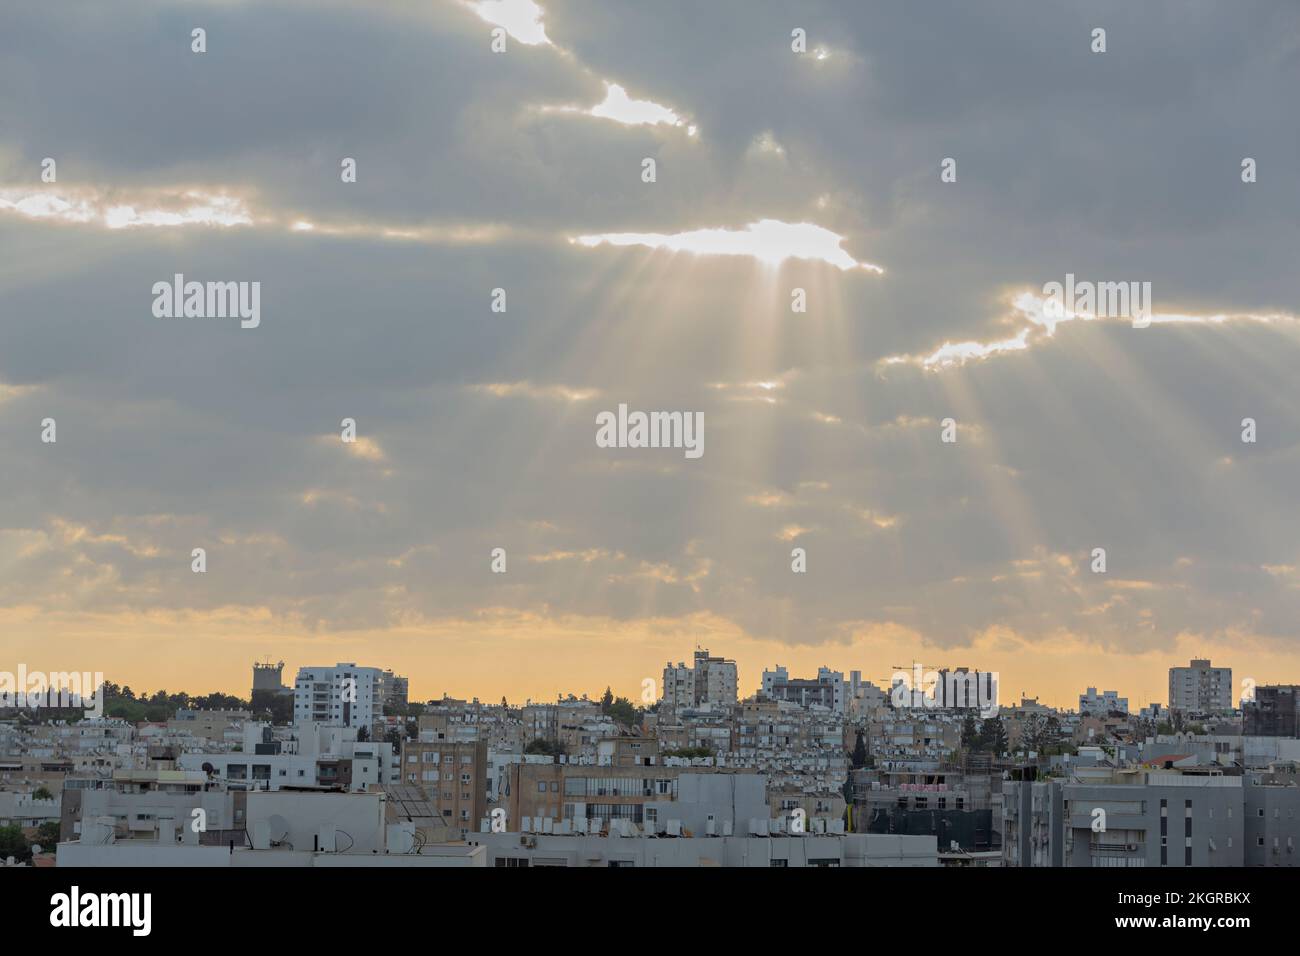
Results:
189 208
522 19
1042 323
621 108
769 240
564 393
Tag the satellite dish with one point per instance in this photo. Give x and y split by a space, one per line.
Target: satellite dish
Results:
279 828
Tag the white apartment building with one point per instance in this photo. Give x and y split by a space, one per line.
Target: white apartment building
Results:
1103 703
827 689
1200 688
863 696
318 756
344 695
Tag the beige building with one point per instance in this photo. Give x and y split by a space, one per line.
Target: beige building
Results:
454 777
710 680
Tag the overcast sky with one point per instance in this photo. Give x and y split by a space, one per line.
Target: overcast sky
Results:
522 170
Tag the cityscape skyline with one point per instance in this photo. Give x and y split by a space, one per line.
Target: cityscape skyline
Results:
1009 695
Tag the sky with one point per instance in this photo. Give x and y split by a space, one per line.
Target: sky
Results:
774 171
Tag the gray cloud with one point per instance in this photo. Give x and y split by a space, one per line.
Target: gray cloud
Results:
175 433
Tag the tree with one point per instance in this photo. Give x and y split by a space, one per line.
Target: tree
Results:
13 843
624 712
279 707
607 701
363 734
993 736
540 745
1039 732
42 793
970 734
688 752
859 752
47 835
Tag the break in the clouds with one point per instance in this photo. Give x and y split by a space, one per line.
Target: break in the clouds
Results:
775 172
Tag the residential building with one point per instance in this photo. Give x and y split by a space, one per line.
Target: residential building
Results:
1099 705
1200 688
454 776
710 680
826 690
344 695
1274 712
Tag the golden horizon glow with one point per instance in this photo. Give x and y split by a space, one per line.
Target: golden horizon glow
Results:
526 655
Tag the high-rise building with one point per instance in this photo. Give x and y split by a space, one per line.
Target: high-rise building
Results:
1200 688
393 690
711 680
344 695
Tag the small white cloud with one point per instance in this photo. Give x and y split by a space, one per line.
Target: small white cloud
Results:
621 108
